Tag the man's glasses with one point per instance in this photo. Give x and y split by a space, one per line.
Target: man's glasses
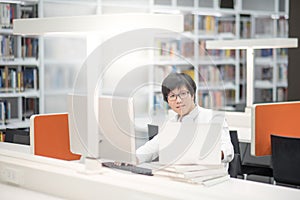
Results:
182 95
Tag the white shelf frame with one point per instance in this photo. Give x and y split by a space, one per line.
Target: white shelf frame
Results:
250 45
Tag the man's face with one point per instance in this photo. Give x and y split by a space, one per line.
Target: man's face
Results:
181 101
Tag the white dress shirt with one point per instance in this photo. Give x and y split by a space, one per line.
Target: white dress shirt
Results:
149 151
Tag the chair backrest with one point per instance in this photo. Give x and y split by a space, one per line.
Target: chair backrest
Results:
235 166
49 136
286 159
152 130
235 141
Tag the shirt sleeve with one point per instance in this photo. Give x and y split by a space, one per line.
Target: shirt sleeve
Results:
149 151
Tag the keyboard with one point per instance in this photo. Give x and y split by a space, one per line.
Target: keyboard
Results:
128 167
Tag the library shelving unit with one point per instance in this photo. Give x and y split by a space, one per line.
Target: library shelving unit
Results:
250 45
224 86
96 65
221 74
19 67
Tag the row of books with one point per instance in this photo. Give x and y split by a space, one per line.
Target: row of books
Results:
8 13
266 95
245 28
282 27
2 136
173 48
8 110
226 27
7 47
18 79
216 75
168 48
30 106
222 53
29 47
264 27
263 73
196 174
282 94
212 24
5 111
264 52
281 52
207 23
215 99
263 95
282 73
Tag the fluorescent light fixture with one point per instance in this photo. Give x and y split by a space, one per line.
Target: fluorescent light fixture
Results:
266 43
210 13
166 11
12 1
97 23
275 16
22 2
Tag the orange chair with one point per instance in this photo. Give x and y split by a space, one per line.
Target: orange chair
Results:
49 136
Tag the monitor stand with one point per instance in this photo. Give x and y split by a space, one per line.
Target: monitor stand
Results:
92 166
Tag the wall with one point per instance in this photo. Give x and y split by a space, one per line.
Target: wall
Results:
294 58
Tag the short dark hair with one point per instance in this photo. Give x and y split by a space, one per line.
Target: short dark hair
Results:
177 80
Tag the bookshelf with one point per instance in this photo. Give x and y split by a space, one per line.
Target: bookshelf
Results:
221 74
19 67
250 45
204 20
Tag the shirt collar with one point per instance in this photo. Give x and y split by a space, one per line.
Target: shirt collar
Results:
191 116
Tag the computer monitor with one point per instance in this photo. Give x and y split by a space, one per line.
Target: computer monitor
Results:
114 137
273 118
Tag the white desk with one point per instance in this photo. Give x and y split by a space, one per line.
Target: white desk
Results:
61 178
10 192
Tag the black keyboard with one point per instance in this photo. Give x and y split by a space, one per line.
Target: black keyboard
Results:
128 167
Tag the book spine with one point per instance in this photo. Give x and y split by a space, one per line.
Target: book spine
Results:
2 113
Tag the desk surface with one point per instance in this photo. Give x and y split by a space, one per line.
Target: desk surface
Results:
63 179
10 192
231 189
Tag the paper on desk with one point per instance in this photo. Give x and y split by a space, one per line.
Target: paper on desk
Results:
190 143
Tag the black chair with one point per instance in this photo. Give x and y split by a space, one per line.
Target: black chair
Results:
152 130
235 166
256 165
286 160
246 165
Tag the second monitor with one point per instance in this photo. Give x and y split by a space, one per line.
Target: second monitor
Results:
116 126
114 136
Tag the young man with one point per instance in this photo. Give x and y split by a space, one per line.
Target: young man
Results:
179 92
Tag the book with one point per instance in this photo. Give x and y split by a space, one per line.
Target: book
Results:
30 78
189 168
206 180
2 113
193 174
